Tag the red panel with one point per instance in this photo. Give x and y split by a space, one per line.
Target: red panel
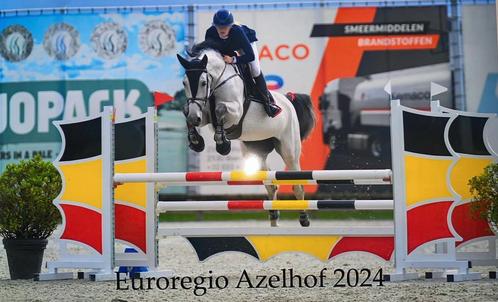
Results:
245 204
203 176
469 225
83 225
427 223
130 226
244 182
380 246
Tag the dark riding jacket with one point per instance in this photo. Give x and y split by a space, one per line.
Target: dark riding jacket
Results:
238 43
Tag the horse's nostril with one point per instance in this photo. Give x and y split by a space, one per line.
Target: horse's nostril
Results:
194 121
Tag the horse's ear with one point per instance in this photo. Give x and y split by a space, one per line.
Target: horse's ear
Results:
204 61
183 61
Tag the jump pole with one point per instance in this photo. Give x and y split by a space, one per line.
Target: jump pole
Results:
273 177
403 259
266 205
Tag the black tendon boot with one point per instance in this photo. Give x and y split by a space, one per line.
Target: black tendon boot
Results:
271 108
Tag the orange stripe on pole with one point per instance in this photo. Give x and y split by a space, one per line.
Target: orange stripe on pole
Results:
244 182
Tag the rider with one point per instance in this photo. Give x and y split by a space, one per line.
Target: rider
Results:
238 43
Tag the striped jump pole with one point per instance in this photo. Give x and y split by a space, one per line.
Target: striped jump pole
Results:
424 170
261 177
263 205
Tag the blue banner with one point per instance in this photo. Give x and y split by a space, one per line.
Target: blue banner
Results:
64 66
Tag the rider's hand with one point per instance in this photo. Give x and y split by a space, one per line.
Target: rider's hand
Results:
228 59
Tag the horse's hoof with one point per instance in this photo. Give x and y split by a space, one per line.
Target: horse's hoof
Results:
304 223
199 147
224 149
304 220
274 216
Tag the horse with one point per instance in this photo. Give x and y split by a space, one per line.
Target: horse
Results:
215 96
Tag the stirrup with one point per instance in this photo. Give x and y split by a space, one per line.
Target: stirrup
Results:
272 110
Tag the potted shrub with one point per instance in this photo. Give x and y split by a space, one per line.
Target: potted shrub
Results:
27 215
484 190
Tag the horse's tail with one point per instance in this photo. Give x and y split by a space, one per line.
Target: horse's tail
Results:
305 114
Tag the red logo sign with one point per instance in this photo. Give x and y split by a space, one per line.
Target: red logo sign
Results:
284 52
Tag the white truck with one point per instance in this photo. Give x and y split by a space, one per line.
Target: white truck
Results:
356 111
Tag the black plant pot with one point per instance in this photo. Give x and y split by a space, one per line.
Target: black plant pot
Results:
24 256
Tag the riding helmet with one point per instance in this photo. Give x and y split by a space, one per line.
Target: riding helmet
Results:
222 17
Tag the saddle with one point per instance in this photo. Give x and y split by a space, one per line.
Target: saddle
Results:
251 94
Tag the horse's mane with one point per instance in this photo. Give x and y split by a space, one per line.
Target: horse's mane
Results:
198 48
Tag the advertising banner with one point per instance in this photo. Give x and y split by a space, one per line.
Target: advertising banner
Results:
480 57
71 65
343 58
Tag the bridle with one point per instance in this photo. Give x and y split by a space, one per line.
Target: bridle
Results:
197 101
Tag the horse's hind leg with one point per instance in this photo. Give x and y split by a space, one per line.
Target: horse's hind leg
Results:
260 150
290 154
304 219
272 195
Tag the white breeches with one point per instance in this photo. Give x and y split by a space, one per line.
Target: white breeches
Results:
254 65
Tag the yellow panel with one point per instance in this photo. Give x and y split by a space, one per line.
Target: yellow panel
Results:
317 246
464 170
134 193
242 175
291 182
290 204
83 182
426 179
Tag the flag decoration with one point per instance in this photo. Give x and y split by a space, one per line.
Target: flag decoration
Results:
80 162
442 151
130 199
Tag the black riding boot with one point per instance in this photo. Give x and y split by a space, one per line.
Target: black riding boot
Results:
271 108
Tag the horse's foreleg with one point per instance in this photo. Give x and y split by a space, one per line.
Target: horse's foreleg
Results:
196 142
223 145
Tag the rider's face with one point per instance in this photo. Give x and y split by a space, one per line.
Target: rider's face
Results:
223 31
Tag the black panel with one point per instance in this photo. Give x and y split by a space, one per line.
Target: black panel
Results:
290 175
425 134
83 140
130 139
208 246
336 204
383 61
466 135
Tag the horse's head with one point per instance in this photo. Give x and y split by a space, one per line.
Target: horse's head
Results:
206 76
197 88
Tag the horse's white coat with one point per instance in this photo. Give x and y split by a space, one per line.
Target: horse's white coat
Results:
257 125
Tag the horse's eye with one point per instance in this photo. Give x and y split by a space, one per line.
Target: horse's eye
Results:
203 83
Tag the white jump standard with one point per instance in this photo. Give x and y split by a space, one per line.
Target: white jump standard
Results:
423 203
